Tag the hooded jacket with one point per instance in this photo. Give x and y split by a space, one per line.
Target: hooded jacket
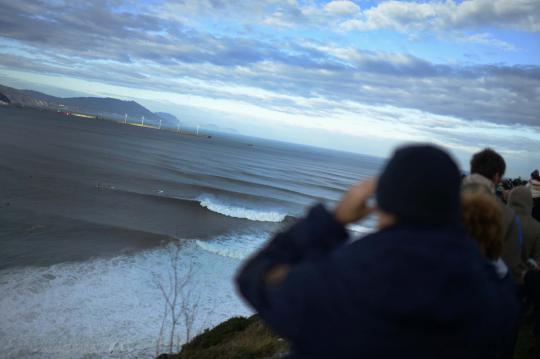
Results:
521 201
511 247
534 185
403 292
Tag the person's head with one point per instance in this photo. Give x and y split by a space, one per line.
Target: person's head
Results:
489 164
419 185
482 220
535 175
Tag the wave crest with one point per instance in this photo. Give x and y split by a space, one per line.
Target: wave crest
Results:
231 210
237 246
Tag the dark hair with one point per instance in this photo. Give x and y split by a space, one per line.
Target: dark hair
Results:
488 163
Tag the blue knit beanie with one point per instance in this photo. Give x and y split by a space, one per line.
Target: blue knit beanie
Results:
420 185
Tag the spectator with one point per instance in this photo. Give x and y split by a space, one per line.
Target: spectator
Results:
534 185
417 288
487 169
520 199
482 219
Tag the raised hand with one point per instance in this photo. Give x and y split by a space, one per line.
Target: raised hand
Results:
353 205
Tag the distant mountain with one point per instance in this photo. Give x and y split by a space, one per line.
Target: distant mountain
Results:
105 107
167 117
38 95
24 98
4 99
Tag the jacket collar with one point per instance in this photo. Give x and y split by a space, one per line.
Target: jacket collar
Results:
477 179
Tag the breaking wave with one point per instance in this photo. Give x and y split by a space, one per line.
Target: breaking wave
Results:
237 246
233 210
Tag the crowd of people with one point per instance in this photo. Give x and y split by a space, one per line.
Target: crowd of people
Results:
449 273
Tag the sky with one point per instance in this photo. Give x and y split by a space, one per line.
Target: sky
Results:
361 76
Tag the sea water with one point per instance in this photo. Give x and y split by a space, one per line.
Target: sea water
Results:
90 210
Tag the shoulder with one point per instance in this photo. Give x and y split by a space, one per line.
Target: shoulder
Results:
409 244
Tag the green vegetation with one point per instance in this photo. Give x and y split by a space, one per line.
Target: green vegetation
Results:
236 338
249 338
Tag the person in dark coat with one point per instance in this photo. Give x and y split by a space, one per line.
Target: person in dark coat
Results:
417 288
534 185
521 200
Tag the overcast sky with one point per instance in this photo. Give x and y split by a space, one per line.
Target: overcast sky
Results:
360 76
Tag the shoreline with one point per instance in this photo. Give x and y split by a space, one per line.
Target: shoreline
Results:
91 116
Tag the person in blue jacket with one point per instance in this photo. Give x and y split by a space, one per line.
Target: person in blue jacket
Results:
417 288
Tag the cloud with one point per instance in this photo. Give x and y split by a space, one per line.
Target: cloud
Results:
105 42
286 62
449 15
487 40
400 15
272 13
279 19
341 7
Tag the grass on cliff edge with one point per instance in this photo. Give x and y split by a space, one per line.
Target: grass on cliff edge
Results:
236 338
249 338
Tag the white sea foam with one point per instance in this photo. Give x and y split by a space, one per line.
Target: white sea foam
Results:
237 246
237 211
242 245
111 308
106 308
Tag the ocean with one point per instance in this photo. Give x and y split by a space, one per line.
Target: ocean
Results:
89 210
